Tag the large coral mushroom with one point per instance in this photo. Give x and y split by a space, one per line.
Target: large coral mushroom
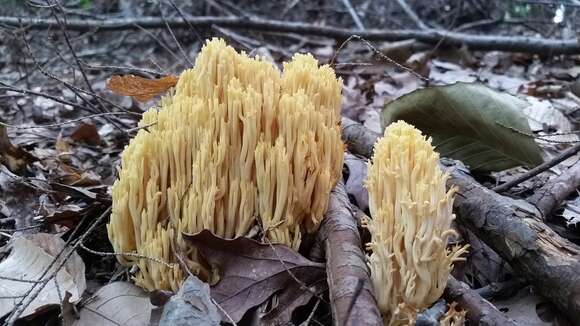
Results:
410 226
235 141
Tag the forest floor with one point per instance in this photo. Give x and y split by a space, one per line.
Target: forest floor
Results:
62 131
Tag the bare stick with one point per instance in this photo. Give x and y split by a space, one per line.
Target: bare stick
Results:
7 87
431 36
539 169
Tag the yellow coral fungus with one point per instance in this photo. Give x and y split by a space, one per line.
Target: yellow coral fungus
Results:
235 142
454 316
410 226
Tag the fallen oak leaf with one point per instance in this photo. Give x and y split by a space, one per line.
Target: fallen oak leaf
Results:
141 89
251 272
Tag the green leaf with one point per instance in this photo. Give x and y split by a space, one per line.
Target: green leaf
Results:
481 127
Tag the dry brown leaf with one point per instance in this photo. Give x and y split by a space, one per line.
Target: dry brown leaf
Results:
251 272
140 88
87 133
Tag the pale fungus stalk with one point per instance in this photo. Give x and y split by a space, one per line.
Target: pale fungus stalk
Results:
235 142
410 225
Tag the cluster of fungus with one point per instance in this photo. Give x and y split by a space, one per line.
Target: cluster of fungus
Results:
234 144
410 225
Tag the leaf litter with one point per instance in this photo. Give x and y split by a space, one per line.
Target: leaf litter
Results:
73 170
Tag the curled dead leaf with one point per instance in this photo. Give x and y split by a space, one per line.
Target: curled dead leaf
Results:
141 89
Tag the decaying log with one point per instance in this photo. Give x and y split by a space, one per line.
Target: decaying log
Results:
351 293
512 228
551 195
479 310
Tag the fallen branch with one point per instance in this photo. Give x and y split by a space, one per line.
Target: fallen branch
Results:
431 36
510 227
513 228
551 195
479 310
351 295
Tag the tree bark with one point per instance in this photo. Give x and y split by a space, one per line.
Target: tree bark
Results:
352 297
431 36
512 228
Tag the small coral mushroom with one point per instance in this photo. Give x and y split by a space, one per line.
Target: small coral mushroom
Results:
235 142
410 225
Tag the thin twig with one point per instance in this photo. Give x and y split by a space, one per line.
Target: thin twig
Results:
539 169
124 70
19 279
182 15
303 285
22 229
52 125
72 50
126 254
311 316
353 14
407 9
377 52
7 87
170 30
